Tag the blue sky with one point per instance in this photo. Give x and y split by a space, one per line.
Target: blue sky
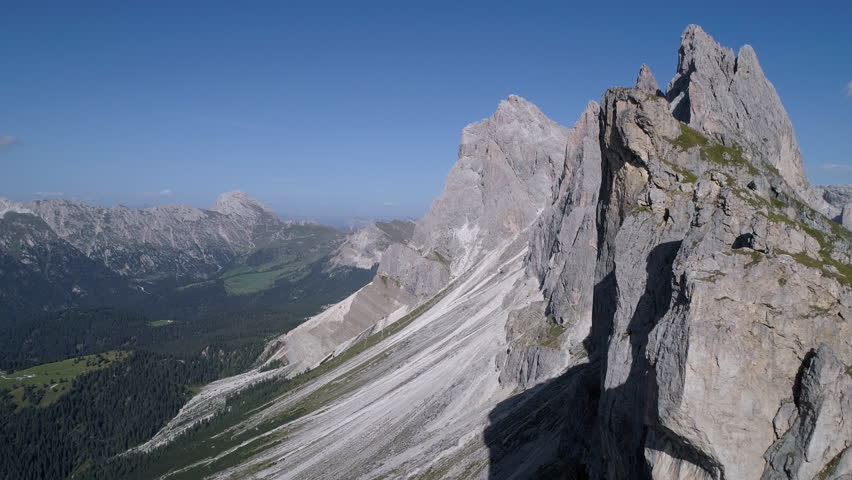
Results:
331 110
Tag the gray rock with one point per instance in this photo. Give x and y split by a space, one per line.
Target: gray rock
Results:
820 436
364 248
837 195
697 364
504 177
728 97
645 82
846 216
563 245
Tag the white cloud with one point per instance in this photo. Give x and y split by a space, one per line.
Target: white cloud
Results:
7 141
849 89
843 167
49 194
166 192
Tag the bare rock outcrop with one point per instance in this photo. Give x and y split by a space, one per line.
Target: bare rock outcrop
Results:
504 177
545 339
696 365
846 216
727 97
646 82
364 248
815 424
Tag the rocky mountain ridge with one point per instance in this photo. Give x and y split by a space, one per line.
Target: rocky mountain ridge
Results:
163 241
239 242
655 293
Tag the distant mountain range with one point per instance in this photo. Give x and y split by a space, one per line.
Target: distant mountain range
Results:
57 254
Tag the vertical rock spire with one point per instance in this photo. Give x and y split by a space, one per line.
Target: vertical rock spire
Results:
727 96
646 81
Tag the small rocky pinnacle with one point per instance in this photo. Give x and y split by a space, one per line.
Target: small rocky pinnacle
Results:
646 81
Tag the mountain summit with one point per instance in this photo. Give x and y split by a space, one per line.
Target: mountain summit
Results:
237 203
727 97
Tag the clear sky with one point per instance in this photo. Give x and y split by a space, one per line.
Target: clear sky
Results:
327 110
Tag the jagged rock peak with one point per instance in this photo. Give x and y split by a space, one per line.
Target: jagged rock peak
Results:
646 82
518 109
505 175
240 204
727 97
699 51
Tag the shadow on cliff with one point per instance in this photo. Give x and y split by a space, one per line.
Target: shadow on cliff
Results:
549 431
529 434
570 427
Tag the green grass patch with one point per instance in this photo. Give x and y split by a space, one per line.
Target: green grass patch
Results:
689 138
727 156
552 335
714 274
712 151
830 467
160 323
42 385
754 257
640 209
844 274
437 257
687 175
247 283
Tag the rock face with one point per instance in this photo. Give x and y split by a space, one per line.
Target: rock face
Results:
364 248
648 295
839 197
682 233
646 82
505 176
846 216
563 245
172 241
815 431
727 97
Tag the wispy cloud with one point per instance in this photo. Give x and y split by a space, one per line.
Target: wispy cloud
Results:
166 192
7 141
49 194
849 89
837 167
390 204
